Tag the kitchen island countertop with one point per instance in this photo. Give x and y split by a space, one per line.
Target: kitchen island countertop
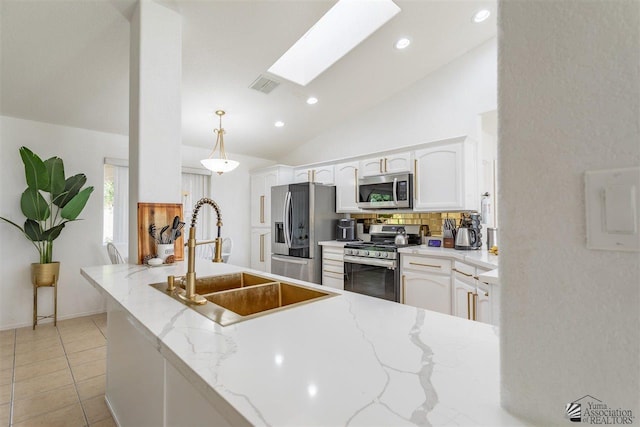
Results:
345 360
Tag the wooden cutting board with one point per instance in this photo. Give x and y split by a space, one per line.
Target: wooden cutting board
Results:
160 214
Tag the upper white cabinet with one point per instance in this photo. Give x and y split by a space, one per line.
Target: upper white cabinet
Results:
445 177
261 183
391 163
320 174
346 175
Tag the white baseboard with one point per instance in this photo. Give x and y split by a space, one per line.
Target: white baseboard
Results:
46 321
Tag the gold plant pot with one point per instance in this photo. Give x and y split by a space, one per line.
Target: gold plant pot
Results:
45 274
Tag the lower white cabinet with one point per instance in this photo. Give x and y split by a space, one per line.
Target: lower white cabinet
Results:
261 249
333 267
428 291
426 282
463 299
483 305
447 286
473 299
143 388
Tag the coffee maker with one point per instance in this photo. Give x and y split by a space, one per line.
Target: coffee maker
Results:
468 235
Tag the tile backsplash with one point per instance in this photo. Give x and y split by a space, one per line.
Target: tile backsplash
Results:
433 219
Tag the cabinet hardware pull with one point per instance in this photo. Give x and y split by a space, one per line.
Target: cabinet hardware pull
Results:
380 166
355 187
404 285
385 164
469 305
462 272
262 209
475 305
476 277
415 178
486 283
425 265
262 248
486 294
334 272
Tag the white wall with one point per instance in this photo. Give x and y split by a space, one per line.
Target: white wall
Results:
80 244
444 104
569 102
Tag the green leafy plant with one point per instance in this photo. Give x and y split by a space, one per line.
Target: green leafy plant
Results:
47 216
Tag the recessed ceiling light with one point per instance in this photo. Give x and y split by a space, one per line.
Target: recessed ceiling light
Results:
312 100
278 124
481 15
403 43
342 28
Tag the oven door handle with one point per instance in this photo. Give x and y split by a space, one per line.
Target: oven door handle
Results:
390 264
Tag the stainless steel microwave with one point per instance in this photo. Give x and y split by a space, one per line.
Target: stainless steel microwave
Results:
389 191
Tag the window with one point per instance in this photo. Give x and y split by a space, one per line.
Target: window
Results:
195 185
116 204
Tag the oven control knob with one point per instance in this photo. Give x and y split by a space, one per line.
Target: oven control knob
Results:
380 255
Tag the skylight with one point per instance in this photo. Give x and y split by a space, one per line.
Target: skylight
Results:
342 28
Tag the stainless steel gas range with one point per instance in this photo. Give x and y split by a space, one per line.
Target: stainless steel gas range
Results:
372 268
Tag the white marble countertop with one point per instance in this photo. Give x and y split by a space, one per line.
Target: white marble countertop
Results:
480 258
345 360
491 277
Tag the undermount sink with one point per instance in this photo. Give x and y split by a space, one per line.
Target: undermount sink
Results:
209 284
232 298
262 298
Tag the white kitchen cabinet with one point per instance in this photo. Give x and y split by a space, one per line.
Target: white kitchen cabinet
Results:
142 387
390 163
261 249
445 177
463 299
426 282
261 183
428 291
483 305
472 298
333 267
320 174
346 175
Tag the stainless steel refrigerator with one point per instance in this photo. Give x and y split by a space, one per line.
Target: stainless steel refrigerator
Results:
302 215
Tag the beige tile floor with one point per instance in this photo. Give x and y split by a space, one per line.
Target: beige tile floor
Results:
54 376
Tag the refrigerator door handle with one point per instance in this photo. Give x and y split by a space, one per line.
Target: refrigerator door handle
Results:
286 219
290 260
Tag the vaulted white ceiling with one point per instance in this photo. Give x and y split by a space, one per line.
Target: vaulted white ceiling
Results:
67 63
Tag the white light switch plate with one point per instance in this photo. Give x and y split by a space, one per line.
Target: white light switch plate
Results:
613 209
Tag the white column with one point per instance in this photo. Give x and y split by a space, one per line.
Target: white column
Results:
155 106
569 102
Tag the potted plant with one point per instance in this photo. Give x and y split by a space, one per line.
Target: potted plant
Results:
49 203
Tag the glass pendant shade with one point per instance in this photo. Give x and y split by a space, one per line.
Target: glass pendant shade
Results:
219 163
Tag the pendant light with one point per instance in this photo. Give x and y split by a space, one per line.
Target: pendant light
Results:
219 164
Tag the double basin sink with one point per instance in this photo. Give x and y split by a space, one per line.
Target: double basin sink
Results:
234 297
